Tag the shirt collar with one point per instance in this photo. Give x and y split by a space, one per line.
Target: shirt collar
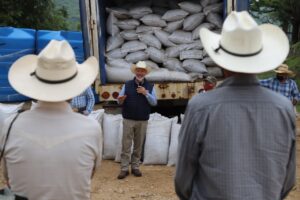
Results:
240 80
139 83
61 106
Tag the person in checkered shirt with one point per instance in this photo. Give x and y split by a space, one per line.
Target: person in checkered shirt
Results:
283 83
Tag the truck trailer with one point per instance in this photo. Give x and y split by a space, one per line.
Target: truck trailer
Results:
93 21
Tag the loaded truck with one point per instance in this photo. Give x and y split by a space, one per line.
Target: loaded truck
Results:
94 19
110 27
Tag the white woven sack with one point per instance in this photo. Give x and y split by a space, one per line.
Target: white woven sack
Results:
128 24
118 63
174 52
146 29
215 19
136 56
153 20
195 33
174 15
33 105
119 13
215 71
193 65
192 21
173 26
151 64
159 10
114 42
181 37
8 110
157 142
173 64
111 131
115 54
166 75
196 44
118 75
181 118
191 54
208 62
138 12
163 37
190 7
205 3
133 46
111 28
217 8
150 40
129 35
157 55
97 115
172 157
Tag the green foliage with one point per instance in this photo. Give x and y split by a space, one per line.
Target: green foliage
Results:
286 12
72 7
293 61
34 14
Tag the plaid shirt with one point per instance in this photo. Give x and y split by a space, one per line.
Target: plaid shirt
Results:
288 88
84 100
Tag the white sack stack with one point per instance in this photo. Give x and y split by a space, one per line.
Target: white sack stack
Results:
163 32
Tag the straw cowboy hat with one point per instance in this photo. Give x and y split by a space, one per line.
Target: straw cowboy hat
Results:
141 65
284 69
245 47
53 75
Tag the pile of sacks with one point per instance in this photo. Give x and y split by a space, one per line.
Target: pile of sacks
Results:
161 138
165 33
160 144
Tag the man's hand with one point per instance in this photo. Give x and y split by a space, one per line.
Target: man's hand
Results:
294 102
141 90
122 98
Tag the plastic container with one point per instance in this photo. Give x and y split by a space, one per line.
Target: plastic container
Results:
73 37
14 43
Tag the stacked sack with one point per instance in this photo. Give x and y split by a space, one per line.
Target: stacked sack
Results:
165 33
160 144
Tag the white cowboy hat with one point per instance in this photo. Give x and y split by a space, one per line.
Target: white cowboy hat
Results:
53 75
141 65
245 47
284 69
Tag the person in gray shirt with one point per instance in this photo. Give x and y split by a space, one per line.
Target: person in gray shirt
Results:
237 142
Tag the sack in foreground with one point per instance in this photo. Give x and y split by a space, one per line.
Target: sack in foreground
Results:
7 194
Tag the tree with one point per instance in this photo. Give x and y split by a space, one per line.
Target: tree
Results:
36 14
286 12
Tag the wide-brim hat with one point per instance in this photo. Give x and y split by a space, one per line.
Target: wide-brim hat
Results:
284 69
53 75
141 65
245 47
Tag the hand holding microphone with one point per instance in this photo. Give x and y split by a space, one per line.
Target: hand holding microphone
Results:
141 90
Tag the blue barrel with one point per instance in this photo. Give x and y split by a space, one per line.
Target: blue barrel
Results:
14 43
73 37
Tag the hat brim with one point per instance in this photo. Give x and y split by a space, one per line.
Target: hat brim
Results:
288 72
275 48
133 67
21 80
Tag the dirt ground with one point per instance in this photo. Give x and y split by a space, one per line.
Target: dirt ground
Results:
156 183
